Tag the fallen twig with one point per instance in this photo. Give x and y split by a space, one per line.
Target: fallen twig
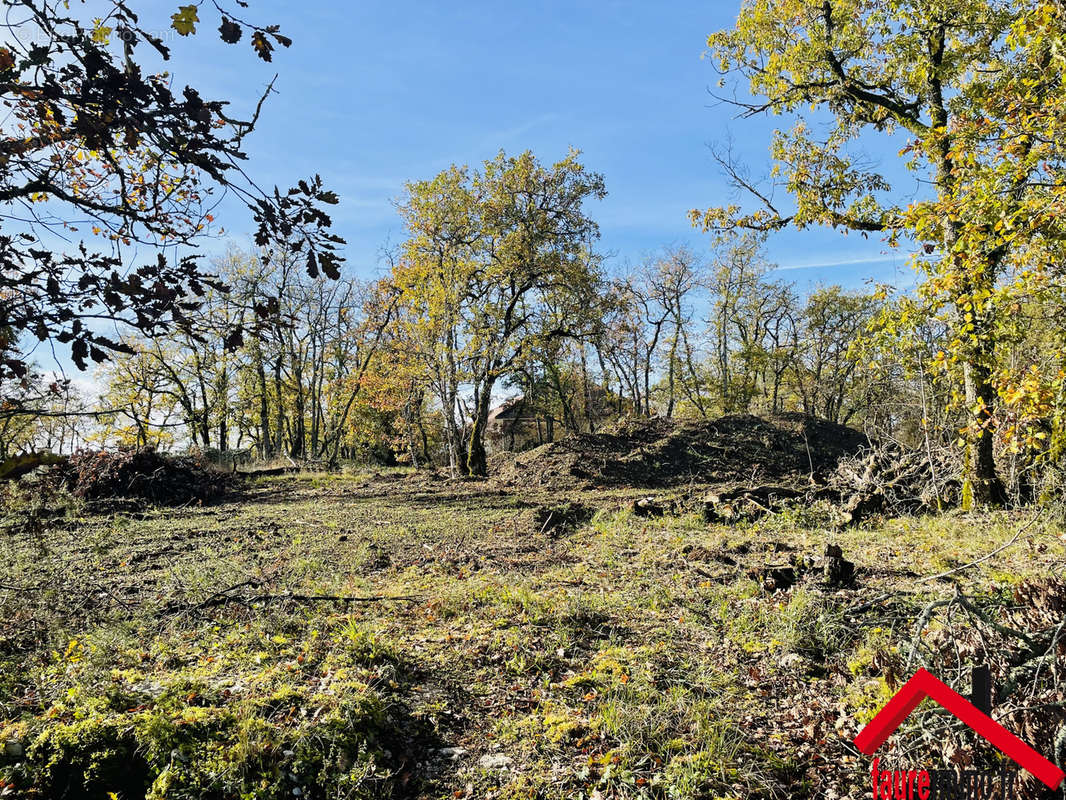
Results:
225 596
338 598
947 574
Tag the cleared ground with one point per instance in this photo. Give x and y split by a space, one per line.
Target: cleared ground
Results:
397 634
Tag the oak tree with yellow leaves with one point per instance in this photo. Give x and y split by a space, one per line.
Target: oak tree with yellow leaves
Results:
969 96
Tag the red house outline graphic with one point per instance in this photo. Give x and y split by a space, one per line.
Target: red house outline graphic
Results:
924 684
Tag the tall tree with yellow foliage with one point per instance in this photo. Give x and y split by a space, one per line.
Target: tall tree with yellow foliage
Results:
969 96
496 260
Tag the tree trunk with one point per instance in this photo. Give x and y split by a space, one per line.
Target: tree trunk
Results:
476 457
409 417
266 449
984 481
671 373
299 430
279 393
587 387
981 474
205 430
425 440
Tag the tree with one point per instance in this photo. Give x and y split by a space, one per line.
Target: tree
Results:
494 261
291 388
39 412
826 367
674 281
88 135
753 324
969 94
430 281
629 338
138 403
646 313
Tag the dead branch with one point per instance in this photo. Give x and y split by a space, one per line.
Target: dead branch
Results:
228 595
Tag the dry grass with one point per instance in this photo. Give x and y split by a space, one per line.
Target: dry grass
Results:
624 657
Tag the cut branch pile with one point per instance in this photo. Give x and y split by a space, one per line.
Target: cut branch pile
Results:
746 503
887 479
144 474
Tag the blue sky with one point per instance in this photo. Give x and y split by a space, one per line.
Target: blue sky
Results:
373 94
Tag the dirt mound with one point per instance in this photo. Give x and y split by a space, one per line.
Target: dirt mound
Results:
144 474
660 452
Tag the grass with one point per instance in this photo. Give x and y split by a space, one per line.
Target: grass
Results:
173 653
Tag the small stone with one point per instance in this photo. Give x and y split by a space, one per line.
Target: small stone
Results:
647 507
497 762
13 748
789 660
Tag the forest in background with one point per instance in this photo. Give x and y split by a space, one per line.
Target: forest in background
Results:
494 297
501 289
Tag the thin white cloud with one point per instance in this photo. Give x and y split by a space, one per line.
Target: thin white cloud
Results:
841 263
510 134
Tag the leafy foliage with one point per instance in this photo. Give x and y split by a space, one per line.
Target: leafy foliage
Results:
91 135
969 94
496 261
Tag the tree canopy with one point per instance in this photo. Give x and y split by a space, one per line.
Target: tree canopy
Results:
100 154
968 96
496 260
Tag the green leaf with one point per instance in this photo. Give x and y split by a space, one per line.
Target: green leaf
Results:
184 21
101 33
